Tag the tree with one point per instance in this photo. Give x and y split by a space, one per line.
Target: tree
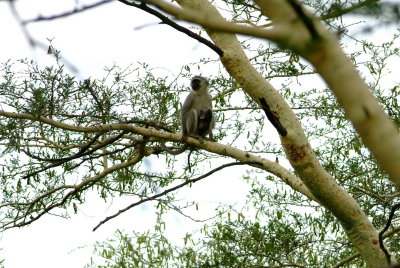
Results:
341 139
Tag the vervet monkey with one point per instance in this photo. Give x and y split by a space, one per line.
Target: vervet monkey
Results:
198 99
197 119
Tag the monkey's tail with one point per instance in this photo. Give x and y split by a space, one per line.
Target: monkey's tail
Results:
179 151
174 152
189 166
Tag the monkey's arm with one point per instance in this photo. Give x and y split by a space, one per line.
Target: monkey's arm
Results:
185 114
212 126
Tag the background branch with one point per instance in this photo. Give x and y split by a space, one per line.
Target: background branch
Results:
68 13
173 189
174 25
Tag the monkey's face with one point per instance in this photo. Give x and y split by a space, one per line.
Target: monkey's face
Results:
198 82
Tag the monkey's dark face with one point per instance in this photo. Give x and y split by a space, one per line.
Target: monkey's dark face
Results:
198 82
195 84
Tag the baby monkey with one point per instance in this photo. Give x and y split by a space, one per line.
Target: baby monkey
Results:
204 122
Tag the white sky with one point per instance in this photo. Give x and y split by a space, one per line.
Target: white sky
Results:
92 40
107 31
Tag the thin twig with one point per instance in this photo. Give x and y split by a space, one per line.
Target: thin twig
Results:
68 13
394 208
174 25
173 189
336 12
81 152
60 161
85 184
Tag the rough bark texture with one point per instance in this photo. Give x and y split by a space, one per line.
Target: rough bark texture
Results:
321 184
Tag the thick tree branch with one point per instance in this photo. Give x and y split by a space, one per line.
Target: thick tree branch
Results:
362 108
172 189
307 20
242 156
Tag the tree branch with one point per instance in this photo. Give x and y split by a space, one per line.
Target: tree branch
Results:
174 25
153 197
66 14
34 43
221 149
394 208
82 152
336 11
273 117
78 154
292 33
215 24
75 189
346 260
308 22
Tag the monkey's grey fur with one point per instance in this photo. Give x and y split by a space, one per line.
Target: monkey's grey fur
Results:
197 119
